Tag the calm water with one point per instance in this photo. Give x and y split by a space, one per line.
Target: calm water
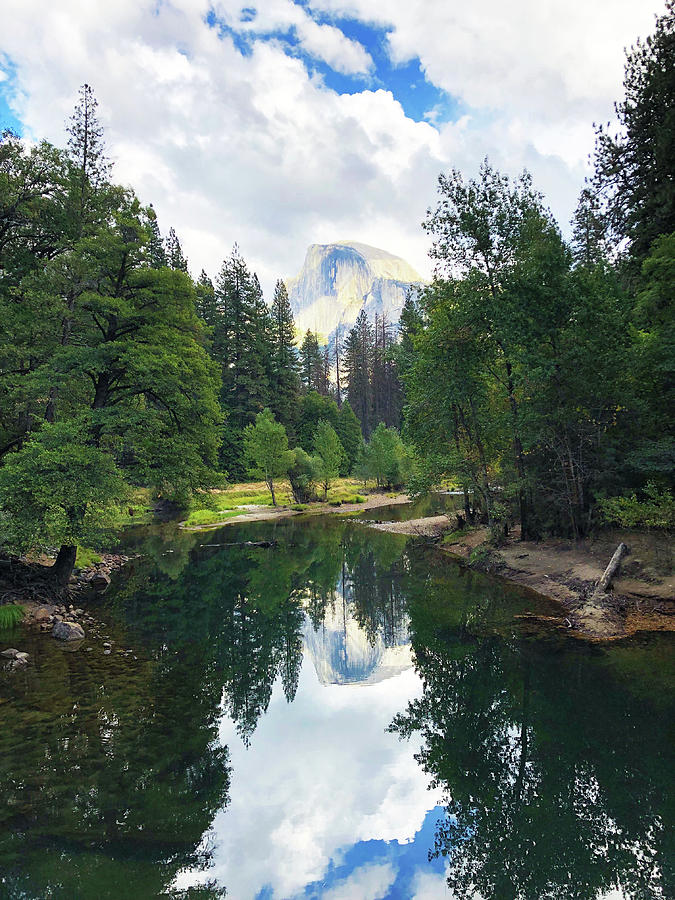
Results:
345 715
432 504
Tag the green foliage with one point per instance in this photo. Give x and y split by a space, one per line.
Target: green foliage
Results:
655 509
634 168
302 475
385 458
266 448
349 431
329 456
58 490
314 408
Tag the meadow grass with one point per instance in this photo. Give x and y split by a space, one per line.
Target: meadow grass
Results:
210 507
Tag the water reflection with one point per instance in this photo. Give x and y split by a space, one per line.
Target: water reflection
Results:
555 761
247 746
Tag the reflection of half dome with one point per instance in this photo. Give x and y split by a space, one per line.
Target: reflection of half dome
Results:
342 653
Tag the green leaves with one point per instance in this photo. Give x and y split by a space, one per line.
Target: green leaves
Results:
58 489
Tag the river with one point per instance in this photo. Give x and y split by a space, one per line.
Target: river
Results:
345 714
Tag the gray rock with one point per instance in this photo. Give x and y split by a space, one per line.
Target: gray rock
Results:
100 581
68 631
10 653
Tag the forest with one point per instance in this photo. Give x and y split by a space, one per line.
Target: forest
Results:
534 373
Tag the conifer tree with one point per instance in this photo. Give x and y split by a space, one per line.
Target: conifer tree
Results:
358 368
245 387
311 363
87 151
156 252
589 245
349 431
284 381
174 252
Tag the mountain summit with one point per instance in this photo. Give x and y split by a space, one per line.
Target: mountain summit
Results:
338 280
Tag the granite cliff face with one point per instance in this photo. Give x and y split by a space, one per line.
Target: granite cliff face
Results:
343 654
338 280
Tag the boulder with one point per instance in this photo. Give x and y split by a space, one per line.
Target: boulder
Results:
68 631
10 653
100 581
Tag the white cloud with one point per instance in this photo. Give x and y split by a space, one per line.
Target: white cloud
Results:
367 883
318 778
253 149
324 41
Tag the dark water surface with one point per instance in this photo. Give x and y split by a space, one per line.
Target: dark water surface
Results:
344 715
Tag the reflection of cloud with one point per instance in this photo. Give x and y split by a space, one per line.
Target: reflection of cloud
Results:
321 775
367 883
430 886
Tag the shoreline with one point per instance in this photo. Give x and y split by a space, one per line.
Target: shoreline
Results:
642 597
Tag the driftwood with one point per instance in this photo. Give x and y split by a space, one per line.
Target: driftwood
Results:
244 544
605 582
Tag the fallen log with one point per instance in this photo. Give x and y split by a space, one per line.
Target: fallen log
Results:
605 582
244 544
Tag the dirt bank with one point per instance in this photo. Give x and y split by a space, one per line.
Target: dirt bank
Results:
642 597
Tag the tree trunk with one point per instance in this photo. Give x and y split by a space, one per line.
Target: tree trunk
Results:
64 563
615 562
271 487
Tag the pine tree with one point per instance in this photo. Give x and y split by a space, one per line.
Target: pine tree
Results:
284 381
156 252
174 252
311 363
358 368
244 358
87 152
589 244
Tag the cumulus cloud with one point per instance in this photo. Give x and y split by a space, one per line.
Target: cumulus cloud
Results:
314 783
254 147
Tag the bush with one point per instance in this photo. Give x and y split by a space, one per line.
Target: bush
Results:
385 459
655 510
302 476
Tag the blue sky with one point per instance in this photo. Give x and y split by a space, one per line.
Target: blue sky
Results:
290 123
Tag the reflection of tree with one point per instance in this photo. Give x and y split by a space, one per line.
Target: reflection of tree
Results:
554 772
110 773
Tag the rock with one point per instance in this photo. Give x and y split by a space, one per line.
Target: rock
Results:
79 612
68 631
21 657
42 615
107 652
10 653
100 581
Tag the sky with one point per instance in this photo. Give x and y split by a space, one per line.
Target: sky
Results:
282 123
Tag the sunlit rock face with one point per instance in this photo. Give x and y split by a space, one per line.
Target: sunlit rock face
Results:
338 280
343 654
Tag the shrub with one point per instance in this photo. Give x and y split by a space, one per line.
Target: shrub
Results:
655 510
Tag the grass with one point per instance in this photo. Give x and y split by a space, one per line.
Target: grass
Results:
10 615
210 507
86 557
455 537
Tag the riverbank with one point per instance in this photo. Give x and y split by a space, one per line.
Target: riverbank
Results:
642 597
259 513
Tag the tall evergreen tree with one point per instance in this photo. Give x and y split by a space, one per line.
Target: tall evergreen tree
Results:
174 252
156 253
87 151
358 368
349 431
284 381
245 355
311 363
634 168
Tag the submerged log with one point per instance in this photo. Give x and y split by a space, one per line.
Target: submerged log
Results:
244 544
605 582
